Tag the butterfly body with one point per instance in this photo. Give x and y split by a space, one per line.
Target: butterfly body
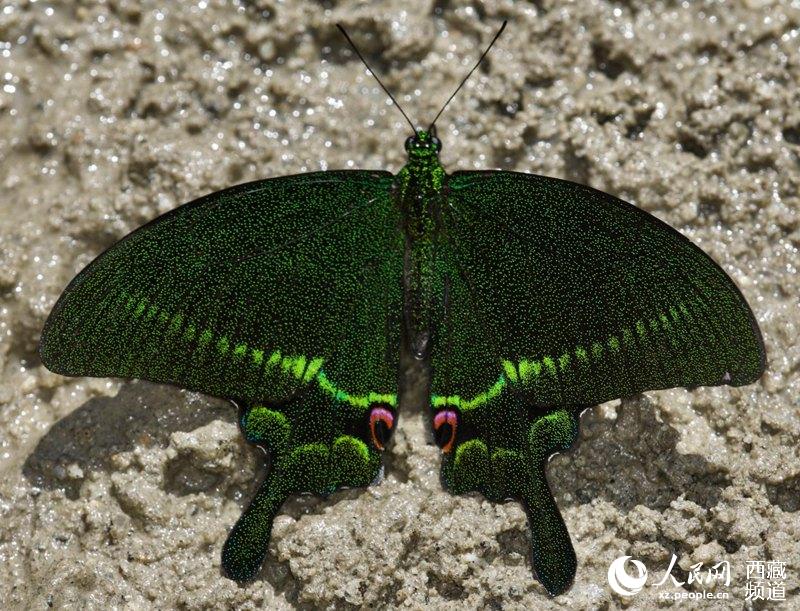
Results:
419 193
527 298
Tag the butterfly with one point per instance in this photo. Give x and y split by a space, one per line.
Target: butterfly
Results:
526 298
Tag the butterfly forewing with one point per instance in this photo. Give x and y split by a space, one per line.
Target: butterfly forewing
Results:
246 293
579 297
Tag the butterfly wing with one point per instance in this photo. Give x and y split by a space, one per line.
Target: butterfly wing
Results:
586 298
285 294
246 293
559 296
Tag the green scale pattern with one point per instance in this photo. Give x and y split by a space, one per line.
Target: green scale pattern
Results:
582 297
215 295
529 298
561 297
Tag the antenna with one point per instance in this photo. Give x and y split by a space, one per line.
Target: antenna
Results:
466 78
364 61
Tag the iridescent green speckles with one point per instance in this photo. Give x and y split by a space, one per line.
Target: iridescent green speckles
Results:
471 464
326 385
205 338
386 398
362 401
263 425
237 295
627 337
239 351
176 324
294 365
189 333
511 370
529 370
508 466
313 368
439 401
306 455
546 377
468 404
573 367
130 301
140 308
309 464
298 367
350 451
552 432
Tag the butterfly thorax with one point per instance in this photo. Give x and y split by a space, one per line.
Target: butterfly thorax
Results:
419 193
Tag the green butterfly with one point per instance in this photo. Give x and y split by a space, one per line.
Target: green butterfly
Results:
528 299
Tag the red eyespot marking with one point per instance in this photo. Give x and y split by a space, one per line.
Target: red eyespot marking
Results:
381 426
445 424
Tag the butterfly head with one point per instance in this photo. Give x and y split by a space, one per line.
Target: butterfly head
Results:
423 145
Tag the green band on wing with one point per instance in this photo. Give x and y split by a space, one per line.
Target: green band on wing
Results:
529 372
313 368
354 400
300 367
438 401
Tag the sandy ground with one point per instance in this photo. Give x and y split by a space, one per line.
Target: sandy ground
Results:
120 494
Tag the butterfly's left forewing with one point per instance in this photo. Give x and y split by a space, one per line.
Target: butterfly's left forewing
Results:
247 293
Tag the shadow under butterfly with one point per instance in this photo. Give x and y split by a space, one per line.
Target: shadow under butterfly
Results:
527 298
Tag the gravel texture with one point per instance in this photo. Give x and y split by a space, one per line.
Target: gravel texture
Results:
120 494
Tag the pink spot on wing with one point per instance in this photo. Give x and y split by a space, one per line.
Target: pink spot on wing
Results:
445 424
381 423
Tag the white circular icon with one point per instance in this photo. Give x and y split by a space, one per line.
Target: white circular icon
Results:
622 583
